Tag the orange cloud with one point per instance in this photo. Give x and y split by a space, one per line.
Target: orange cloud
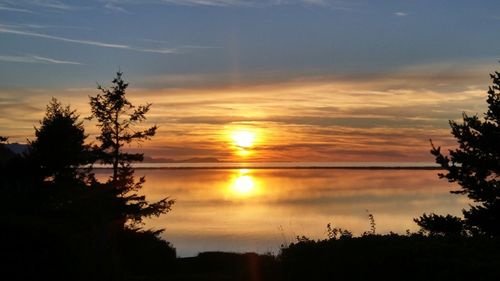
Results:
380 118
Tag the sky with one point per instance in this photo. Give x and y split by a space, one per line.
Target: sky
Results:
312 80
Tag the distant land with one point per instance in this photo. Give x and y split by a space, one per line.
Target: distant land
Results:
17 148
214 163
286 165
149 159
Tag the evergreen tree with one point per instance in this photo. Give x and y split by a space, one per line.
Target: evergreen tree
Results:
116 118
63 223
59 147
475 165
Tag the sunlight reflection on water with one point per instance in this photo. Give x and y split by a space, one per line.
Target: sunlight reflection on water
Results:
243 184
260 209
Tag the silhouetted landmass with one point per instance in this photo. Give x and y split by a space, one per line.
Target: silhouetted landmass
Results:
227 266
6 154
223 166
374 257
17 148
149 159
393 257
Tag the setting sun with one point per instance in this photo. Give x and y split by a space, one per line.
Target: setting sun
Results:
243 138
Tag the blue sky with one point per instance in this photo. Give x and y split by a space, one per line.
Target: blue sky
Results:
285 38
62 48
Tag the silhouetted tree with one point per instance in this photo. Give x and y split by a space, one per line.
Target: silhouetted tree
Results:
116 117
475 166
59 221
59 147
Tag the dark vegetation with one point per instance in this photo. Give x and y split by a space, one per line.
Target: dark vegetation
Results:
58 220
475 166
60 223
392 257
447 247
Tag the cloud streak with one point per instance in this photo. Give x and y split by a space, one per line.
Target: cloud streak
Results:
215 3
12 9
113 7
86 42
338 5
53 4
36 59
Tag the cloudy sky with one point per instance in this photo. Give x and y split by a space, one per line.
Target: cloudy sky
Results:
315 80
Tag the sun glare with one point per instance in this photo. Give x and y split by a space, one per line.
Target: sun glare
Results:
243 138
243 184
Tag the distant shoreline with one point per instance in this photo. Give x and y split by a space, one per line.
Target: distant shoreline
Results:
280 168
257 167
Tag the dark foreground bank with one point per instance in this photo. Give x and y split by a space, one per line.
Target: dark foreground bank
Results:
389 257
378 257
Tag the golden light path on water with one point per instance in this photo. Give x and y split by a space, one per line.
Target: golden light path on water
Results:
257 210
243 183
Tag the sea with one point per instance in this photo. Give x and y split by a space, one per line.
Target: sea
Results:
260 207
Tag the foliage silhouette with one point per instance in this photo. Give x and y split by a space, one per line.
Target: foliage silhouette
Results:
414 256
373 228
335 233
475 166
392 257
116 118
437 225
61 222
59 147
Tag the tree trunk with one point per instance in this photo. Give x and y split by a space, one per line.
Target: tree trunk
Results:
116 148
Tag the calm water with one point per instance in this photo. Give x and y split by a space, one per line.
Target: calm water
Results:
259 209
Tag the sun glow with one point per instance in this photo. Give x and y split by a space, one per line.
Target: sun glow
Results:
243 141
243 152
243 138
